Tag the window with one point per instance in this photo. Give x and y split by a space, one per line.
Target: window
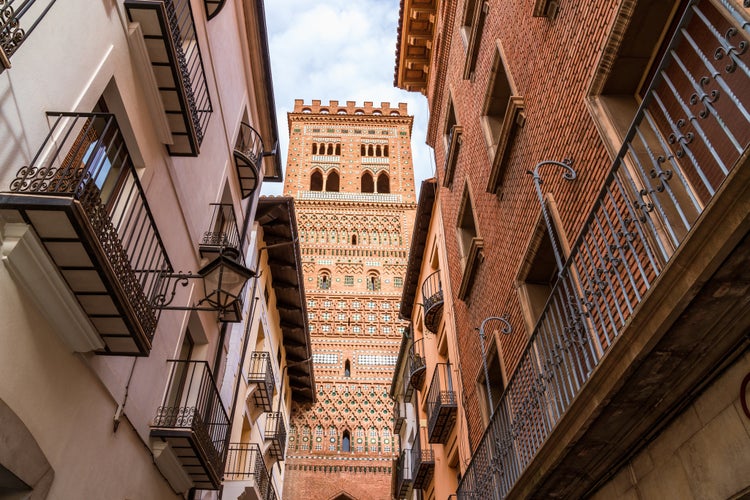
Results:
347 369
398 282
316 181
469 243
494 369
346 442
502 116
324 280
368 184
538 272
452 134
373 281
384 183
472 24
354 239
332 181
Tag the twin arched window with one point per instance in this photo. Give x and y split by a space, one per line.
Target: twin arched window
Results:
332 181
368 184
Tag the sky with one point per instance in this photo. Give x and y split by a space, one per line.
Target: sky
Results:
342 50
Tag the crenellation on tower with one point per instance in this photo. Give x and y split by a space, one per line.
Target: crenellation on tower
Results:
351 108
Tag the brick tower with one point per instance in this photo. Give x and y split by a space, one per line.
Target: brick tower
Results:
350 171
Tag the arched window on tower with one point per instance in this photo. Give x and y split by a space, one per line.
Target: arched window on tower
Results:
330 149
373 281
385 150
371 150
338 149
354 239
368 184
324 280
384 183
332 181
347 369
363 150
314 148
316 181
346 442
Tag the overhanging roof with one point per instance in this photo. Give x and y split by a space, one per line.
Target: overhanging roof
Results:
277 217
418 242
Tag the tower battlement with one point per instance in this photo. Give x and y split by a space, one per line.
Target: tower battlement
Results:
351 108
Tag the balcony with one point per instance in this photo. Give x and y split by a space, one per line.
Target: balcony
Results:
648 306
246 475
248 155
276 433
441 405
194 423
169 33
399 416
82 196
223 235
416 364
402 470
18 20
261 375
422 461
432 297
451 155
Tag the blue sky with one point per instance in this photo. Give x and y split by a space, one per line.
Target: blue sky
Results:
339 50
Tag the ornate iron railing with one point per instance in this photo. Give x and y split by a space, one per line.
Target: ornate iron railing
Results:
276 433
422 461
691 129
416 364
213 7
223 235
192 403
432 296
442 404
399 415
85 157
245 463
248 158
403 474
261 373
17 20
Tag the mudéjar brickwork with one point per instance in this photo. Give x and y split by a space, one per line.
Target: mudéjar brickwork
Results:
350 171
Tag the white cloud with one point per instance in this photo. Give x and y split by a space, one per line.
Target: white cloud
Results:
340 50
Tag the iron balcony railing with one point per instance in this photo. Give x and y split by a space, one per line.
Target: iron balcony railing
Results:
422 461
399 415
403 474
84 160
432 296
223 235
245 463
192 413
416 364
248 157
261 373
276 433
690 131
442 404
18 18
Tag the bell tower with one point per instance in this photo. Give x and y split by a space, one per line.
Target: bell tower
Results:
350 171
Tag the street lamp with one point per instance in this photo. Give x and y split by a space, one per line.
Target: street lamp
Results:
507 329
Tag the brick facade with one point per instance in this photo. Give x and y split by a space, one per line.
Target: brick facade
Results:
354 236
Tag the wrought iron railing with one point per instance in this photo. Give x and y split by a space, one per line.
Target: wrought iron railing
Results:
261 373
432 296
245 463
399 415
248 158
690 131
18 18
403 474
223 235
213 7
85 157
422 460
192 403
276 433
416 364
190 62
442 404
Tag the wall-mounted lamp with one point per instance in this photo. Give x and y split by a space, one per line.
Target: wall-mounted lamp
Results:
507 329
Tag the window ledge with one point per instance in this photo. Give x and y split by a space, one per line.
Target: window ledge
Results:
475 257
472 49
451 157
515 118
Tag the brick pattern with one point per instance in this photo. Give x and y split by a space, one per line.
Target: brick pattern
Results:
552 65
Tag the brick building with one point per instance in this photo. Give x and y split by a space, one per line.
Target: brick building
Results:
594 191
350 171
